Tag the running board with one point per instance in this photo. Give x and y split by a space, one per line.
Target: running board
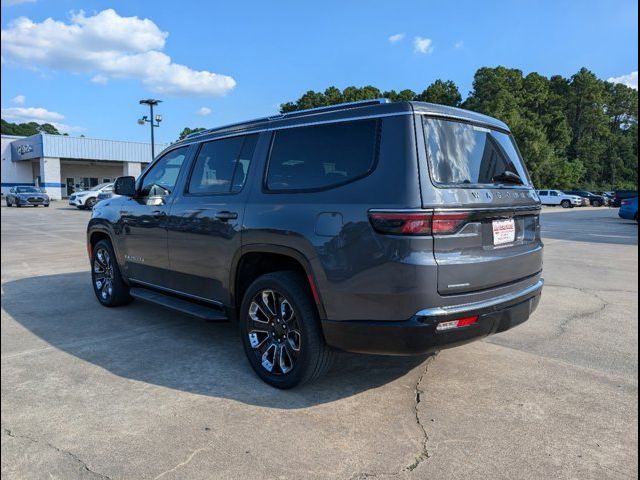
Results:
179 305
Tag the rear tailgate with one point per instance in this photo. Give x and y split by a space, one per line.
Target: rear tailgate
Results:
491 248
473 177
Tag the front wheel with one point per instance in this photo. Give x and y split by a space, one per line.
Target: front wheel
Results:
90 203
108 284
281 331
566 204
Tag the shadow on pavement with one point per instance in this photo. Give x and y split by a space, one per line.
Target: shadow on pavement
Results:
149 344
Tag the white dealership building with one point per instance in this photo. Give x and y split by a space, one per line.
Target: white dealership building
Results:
60 164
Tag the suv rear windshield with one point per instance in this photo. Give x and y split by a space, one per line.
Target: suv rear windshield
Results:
464 154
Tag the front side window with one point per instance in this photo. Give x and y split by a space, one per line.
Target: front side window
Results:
461 153
554 194
222 165
322 156
160 180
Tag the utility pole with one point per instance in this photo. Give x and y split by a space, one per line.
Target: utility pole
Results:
153 121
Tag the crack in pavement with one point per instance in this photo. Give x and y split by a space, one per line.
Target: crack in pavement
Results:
563 327
424 452
185 462
74 457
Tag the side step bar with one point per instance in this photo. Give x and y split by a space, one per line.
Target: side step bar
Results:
179 305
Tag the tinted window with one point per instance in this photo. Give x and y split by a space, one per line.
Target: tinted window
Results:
221 165
460 153
161 178
321 156
553 194
544 193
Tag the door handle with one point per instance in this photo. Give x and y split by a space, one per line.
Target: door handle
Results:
226 216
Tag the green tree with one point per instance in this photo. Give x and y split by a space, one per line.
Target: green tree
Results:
27 129
186 131
442 92
572 132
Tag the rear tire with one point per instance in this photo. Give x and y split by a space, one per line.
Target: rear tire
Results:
280 331
596 203
565 204
9 204
107 281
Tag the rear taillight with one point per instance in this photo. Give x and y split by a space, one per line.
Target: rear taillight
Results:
417 223
444 223
461 322
625 202
401 223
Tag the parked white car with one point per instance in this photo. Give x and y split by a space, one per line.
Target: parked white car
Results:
556 197
88 198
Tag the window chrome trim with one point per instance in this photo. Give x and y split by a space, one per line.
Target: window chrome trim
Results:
472 307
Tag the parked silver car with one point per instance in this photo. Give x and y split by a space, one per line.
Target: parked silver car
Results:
27 195
88 198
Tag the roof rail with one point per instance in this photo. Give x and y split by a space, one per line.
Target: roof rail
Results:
326 108
337 106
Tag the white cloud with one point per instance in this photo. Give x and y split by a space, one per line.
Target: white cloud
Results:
422 45
203 111
38 115
458 45
19 99
101 79
11 3
630 80
107 46
396 38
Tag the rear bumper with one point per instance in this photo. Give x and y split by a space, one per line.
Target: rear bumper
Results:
418 335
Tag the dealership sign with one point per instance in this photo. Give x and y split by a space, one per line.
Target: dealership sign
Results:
22 149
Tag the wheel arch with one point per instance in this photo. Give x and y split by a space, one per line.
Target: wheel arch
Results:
255 260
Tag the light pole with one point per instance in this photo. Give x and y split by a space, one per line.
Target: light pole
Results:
153 121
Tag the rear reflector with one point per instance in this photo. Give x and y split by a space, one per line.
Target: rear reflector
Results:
417 223
461 322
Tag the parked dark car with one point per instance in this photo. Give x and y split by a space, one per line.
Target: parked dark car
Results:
26 196
620 195
594 200
374 227
629 209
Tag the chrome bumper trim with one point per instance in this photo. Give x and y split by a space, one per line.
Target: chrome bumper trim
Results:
470 307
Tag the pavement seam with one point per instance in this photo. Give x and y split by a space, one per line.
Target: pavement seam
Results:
73 456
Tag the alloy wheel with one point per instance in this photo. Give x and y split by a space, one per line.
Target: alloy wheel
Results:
103 274
274 332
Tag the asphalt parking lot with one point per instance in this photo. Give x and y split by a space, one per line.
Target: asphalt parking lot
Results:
139 392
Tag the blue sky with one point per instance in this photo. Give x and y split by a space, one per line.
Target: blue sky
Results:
218 62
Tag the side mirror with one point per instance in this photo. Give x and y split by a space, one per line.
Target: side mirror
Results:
125 186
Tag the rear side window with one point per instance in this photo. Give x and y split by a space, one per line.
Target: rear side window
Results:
322 156
222 165
460 153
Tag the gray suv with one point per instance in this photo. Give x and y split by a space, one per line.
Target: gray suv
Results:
373 227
